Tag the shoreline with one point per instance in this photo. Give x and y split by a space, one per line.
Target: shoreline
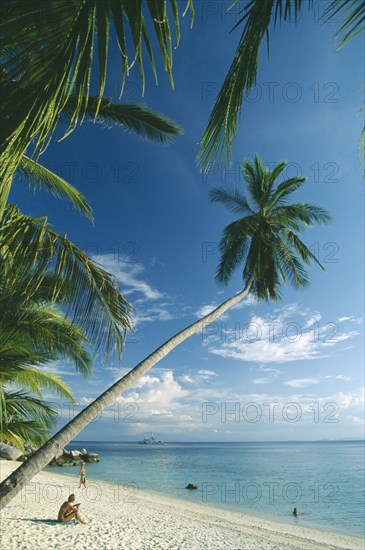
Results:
129 518
256 517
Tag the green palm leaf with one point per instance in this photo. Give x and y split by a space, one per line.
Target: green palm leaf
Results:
350 17
257 19
93 298
25 419
37 176
49 50
134 117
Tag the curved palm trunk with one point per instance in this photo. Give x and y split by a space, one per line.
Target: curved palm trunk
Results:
22 475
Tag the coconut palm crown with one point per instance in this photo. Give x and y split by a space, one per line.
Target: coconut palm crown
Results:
266 238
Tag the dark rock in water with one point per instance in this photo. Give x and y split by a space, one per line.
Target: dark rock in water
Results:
8 452
91 457
74 458
191 486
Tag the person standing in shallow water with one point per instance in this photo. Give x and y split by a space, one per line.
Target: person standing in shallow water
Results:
295 512
82 475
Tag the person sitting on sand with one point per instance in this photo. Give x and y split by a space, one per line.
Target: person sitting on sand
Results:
68 511
295 512
82 475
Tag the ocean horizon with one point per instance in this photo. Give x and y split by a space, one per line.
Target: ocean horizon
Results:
324 479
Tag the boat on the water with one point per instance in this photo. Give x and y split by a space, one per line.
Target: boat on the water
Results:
151 439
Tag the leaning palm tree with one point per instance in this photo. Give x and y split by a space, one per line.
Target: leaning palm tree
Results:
257 18
265 239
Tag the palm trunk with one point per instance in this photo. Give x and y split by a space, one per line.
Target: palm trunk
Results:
22 475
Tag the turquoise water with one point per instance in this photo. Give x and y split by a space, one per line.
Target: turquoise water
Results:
324 480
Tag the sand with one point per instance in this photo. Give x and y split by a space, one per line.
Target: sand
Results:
128 518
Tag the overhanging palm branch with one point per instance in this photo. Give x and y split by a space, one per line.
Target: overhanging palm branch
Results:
49 53
133 117
92 296
257 17
349 16
25 419
31 378
37 176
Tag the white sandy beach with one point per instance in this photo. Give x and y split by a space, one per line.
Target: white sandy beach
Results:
128 518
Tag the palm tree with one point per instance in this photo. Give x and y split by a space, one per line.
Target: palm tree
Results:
26 420
265 239
48 57
257 17
33 334
90 295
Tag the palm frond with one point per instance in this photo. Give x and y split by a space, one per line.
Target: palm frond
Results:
305 253
36 380
306 213
49 53
284 189
350 18
257 16
216 142
232 199
133 117
290 265
233 247
93 297
37 176
25 419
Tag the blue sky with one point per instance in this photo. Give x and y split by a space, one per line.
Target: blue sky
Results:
289 370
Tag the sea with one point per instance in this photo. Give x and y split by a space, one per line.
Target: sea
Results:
323 480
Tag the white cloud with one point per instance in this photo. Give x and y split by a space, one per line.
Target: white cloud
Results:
128 274
268 369
302 382
261 381
343 377
156 392
151 305
197 378
208 308
315 318
60 368
289 334
205 374
356 419
249 301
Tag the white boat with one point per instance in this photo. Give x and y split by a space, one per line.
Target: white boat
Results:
152 439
